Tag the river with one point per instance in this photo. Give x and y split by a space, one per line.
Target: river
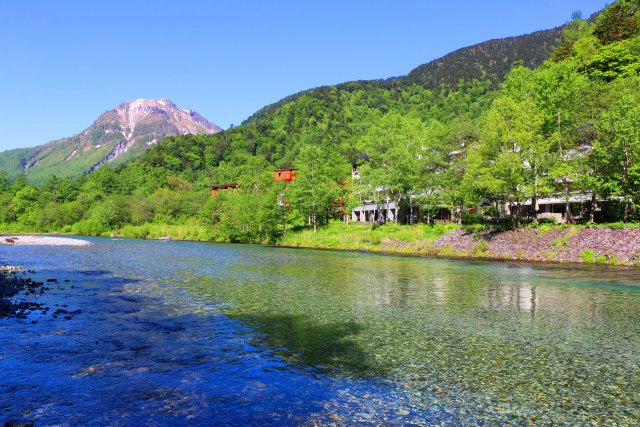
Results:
180 333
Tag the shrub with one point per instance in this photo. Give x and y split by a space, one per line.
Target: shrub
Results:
592 257
482 247
551 221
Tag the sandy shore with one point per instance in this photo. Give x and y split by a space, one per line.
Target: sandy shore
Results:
41 241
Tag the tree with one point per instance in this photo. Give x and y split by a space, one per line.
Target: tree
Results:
393 146
618 22
617 152
510 160
559 97
315 190
25 205
437 154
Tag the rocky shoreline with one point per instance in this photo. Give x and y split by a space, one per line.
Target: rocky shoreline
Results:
557 244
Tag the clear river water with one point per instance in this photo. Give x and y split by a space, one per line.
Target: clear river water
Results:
180 333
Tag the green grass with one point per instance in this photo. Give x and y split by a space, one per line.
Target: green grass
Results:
592 257
194 232
386 238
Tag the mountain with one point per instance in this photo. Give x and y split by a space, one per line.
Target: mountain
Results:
490 60
116 136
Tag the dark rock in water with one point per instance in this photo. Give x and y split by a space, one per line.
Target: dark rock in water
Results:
17 295
19 423
10 286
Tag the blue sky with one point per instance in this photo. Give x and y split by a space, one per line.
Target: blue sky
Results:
63 63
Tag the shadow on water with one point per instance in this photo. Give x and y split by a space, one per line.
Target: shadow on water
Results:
94 272
153 368
323 347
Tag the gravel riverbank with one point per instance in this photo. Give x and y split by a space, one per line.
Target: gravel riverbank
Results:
41 240
571 244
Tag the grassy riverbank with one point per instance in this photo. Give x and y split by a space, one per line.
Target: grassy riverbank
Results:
391 237
612 244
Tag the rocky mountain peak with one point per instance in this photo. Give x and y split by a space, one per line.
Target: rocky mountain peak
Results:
119 134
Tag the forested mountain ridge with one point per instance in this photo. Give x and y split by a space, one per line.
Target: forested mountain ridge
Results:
117 135
488 60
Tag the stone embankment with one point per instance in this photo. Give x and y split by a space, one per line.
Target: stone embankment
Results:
571 244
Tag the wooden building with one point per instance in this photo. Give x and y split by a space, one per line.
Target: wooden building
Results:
284 175
215 189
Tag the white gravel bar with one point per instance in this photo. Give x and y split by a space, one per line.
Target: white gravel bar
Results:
41 241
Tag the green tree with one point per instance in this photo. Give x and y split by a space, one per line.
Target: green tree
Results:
618 22
315 190
617 152
393 146
509 161
25 205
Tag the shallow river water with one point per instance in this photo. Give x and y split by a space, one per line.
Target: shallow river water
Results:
179 333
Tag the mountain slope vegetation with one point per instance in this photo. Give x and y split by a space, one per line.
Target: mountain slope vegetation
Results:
490 60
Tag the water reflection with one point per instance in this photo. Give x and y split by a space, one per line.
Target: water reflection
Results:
513 337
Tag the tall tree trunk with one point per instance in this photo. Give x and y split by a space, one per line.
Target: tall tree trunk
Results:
594 205
567 207
534 200
388 211
410 212
627 208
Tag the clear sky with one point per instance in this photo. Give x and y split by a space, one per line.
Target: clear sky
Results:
63 63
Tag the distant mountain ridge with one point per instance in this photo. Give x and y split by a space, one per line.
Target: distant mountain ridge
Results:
116 136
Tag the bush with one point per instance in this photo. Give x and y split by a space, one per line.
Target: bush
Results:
469 219
475 229
542 221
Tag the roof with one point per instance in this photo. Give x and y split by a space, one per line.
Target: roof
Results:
223 186
574 198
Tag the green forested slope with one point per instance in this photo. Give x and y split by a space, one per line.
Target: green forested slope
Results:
490 60
12 161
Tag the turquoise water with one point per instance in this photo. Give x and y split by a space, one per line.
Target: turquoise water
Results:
201 334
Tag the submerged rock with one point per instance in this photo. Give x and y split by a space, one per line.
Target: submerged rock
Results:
19 423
